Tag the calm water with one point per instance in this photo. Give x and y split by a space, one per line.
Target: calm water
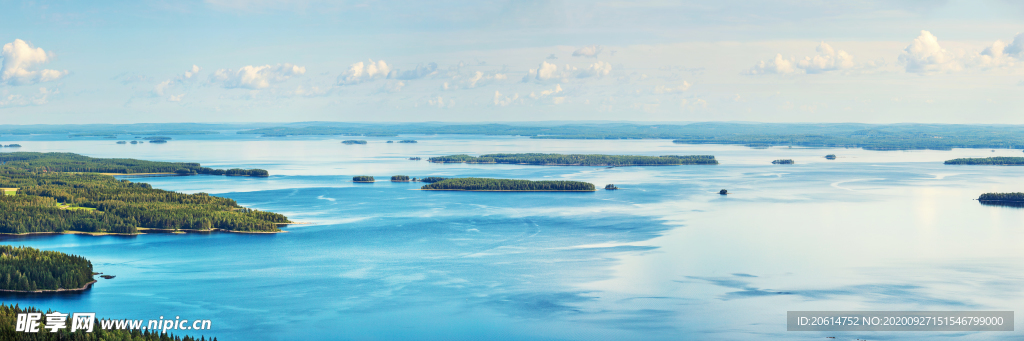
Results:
665 257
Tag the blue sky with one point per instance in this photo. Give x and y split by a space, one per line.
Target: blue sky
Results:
471 61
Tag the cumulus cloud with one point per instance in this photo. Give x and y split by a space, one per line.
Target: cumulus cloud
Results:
162 88
827 59
661 89
778 65
190 73
256 77
503 101
550 72
362 72
440 102
21 60
925 55
478 78
552 94
693 104
588 51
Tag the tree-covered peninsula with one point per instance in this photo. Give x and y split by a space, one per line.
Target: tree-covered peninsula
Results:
27 269
579 159
991 161
508 185
432 179
62 195
1015 199
69 162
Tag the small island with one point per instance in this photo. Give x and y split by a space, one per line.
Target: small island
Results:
13 145
415 158
432 179
723 192
400 178
1015 199
830 156
783 162
389 141
354 142
158 141
508 185
579 159
610 187
27 269
407 141
988 161
122 142
135 142
362 178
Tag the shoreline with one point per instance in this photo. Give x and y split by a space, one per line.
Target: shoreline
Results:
488 190
54 291
578 165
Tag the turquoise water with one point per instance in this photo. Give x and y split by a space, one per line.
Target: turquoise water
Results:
664 257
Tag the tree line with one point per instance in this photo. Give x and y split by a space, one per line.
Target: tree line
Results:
70 162
487 184
997 160
579 159
27 269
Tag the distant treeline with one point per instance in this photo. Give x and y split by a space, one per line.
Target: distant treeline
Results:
9 316
783 162
407 141
354 142
998 160
69 162
850 135
1015 197
486 184
28 269
432 179
580 159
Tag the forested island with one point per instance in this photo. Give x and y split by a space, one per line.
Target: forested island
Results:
610 187
1015 199
362 178
9 316
783 162
69 162
508 185
830 156
63 192
400 178
24 269
994 161
579 159
431 179
408 141
354 142
13 145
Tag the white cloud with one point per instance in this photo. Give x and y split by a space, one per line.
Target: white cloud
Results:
503 101
588 51
440 102
924 55
313 91
190 73
693 104
20 61
256 77
362 72
419 72
392 86
478 78
549 72
828 59
778 65
1016 48
599 69
661 89
176 98
161 88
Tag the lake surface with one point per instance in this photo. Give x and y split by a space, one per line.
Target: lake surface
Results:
663 258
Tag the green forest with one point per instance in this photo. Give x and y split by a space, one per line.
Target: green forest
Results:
28 269
580 159
486 184
1016 196
783 162
432 179
9 316
362 178
996 161
400 178
69 162
57 201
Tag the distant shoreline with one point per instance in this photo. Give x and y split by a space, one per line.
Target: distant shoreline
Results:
483 190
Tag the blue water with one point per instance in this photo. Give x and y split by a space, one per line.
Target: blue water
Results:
664 258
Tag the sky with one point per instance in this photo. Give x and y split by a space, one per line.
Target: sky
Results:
892 61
